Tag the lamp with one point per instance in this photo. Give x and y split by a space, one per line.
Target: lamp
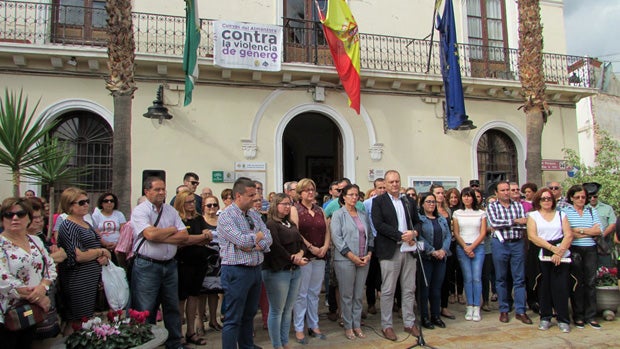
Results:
157 110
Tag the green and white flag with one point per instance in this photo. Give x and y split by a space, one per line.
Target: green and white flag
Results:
190 52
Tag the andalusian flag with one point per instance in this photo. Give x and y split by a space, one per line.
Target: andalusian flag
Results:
190 54
344 43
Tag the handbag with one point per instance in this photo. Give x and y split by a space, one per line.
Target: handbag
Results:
23 316
602 246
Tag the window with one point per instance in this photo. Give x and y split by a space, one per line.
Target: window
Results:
89 137
78 21
486 26
304 38
497 158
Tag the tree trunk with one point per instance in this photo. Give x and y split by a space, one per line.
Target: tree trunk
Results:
16 179
532 79
534 127
121 57
121 153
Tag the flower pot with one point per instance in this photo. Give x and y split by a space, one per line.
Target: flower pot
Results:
161 334
607 298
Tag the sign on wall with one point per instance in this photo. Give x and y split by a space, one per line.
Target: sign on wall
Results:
251 46
423 184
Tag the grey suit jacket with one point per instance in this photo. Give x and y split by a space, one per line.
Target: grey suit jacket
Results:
345 235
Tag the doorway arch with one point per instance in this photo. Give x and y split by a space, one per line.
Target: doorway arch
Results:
339 122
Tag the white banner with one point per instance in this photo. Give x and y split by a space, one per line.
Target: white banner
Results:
247 45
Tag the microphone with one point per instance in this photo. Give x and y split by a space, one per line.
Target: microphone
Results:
405 200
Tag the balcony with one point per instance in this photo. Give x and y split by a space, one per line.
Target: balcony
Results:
77 28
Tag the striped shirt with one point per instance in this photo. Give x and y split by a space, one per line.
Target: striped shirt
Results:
501 219
237 230
587 220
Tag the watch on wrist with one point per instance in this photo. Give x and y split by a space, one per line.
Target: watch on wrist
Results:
47 287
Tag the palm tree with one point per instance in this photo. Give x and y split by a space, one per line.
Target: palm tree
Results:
21 137
54 170
533 84
121 57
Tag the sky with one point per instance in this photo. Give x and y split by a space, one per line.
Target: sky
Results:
592 29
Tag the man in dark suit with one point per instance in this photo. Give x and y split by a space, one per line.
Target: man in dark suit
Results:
395 218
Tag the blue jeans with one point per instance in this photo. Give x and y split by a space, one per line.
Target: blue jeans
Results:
152 283
435 270
472 273
242 287
510 255
282 288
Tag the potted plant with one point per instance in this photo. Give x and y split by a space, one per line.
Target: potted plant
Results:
119 332
607 292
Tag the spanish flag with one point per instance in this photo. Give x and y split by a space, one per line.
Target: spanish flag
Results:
344 43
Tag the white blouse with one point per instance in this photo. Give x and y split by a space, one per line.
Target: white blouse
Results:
469 223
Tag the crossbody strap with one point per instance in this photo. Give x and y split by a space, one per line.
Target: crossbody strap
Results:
155 225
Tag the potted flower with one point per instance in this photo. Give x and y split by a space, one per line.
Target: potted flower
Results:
607 292
119 332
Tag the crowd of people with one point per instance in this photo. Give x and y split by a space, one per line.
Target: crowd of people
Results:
522 247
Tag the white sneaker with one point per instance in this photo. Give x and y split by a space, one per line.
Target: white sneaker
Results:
564 327
469 314
476 314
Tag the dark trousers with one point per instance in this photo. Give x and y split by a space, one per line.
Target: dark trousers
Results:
583 267
373 280
435 271
488 277
453 278
553 291
242 286
16 339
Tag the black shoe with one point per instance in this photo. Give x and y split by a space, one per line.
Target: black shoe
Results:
535 307
438 322
427 324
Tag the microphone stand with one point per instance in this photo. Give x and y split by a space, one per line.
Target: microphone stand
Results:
421 342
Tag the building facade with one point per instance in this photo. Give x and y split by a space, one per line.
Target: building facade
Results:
295 122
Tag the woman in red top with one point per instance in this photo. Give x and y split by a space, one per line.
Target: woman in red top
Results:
312 225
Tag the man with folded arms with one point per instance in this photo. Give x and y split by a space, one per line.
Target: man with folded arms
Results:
395 219
508 219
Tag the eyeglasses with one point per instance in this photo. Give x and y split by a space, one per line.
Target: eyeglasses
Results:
108 201
211 205
194 182
190 202
579 197
430 202
81 202
259 188
594 197
19 214
554 188
546 198
285 204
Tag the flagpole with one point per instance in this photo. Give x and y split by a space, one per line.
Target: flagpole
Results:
430 48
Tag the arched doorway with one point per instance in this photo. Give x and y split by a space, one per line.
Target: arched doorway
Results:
312 148
89 137
497 158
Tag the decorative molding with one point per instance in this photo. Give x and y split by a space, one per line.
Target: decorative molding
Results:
249 149
376 151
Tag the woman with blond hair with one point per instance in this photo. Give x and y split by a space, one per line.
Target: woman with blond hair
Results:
81 271
312 225
192 262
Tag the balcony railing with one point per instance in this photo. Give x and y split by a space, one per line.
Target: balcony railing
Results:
70 26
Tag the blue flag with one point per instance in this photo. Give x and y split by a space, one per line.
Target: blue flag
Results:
450 69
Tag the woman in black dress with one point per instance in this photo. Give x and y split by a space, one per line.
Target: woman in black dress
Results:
81 271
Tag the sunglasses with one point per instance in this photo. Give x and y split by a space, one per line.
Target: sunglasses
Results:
190 202
594 196
546 198
578 197
108 201
82 202
211 205
19 214
194 182
554 188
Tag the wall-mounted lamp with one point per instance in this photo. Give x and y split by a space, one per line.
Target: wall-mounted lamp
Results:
72 62
157 110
